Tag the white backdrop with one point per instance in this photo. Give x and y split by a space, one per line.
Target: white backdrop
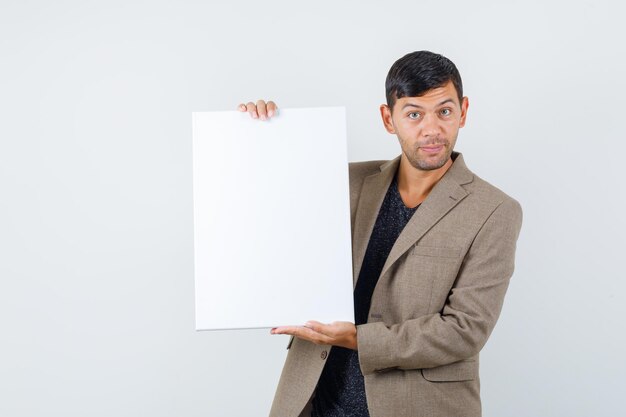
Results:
96 284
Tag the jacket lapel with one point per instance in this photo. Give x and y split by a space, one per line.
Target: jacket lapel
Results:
444 196
371 198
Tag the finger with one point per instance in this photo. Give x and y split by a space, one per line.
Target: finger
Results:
251 108
261 109
283 330
242 107
313 336
303 333
318 327
291 330
271 109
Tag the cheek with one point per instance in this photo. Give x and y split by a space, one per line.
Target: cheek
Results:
451 127
408 129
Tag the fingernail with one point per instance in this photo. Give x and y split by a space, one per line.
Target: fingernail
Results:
263 117
270 113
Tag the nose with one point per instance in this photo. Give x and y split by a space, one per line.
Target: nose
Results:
430 126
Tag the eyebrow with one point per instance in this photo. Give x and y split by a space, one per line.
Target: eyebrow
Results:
448 100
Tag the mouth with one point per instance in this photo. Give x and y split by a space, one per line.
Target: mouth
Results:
432 149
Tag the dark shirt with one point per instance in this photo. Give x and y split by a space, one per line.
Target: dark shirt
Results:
341 391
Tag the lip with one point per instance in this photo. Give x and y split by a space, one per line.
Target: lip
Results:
431 149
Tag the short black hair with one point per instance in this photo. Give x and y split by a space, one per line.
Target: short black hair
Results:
416 73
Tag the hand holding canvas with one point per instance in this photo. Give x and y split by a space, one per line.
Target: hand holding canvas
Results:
337 333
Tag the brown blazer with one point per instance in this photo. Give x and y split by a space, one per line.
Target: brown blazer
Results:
436 302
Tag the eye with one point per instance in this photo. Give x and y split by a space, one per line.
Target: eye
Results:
446 112
414 116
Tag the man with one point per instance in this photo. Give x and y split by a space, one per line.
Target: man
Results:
433 252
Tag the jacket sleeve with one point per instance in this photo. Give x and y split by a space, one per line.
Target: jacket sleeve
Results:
474 303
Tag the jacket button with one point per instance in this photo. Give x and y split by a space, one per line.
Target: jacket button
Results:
324 354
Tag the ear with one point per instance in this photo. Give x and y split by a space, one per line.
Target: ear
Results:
464 107
385 113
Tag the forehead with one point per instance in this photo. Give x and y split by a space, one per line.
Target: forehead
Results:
432 98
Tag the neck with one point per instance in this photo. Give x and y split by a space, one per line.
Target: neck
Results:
415 184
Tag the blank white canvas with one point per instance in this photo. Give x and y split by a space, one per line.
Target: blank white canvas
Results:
271 219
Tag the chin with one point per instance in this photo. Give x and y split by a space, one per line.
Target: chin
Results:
428 165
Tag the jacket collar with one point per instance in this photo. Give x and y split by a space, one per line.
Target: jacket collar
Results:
444 196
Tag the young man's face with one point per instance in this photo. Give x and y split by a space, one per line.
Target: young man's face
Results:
427 126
